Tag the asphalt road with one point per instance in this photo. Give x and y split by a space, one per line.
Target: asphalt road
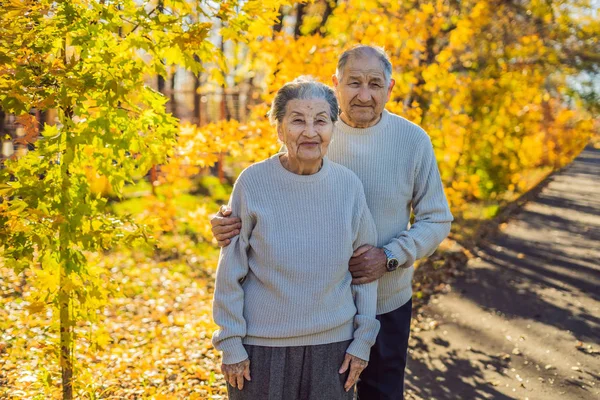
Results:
524 321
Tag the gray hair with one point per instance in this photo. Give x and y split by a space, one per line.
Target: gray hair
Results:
302 88
366 51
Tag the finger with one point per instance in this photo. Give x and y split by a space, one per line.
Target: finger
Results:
225 211
356 275
227 235
231 380
345 364
240 381
359 275
357 267
224 243
352 378
357 260
363 280
356 367
218 221
361 250
247 373
224 228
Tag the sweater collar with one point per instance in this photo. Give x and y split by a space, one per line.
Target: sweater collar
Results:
322 173
341 126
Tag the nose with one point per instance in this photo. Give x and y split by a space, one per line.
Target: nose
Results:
311 130
363 94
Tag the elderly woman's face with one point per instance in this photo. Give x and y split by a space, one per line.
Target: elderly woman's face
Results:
306 129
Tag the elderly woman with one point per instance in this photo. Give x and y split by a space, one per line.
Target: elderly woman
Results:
290 322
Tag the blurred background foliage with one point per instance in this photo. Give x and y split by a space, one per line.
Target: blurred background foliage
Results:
159 105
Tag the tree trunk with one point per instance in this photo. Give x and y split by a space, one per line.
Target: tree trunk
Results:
197 97
172 100
250 95
224 116
161 88
419 96
153 178
65 294
66 341
329 6
161 80
299 20
278 26
160 84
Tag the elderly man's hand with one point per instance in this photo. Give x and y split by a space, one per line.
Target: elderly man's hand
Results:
225 227
368 263
356 365
235 373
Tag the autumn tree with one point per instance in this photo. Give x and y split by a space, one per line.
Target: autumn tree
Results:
489 81
87 60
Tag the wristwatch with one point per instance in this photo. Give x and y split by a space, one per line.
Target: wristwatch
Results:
392 262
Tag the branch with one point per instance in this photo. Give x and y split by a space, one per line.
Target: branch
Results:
139 23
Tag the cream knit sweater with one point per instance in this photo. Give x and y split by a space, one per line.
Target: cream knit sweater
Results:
395 162
284 280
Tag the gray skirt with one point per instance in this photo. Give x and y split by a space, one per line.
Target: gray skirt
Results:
295 373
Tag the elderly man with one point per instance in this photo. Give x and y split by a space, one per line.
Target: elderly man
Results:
394 159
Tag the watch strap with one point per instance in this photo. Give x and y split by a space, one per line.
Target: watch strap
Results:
392 262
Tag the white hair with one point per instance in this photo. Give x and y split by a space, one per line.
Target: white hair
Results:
303 88
366 51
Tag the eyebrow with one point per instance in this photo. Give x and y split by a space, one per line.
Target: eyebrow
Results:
359 77
296 113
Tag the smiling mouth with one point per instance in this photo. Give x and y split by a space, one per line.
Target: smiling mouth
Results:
310 144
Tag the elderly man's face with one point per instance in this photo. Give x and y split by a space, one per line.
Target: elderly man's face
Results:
362 92
306 129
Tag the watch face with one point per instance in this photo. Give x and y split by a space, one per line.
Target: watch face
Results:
392 264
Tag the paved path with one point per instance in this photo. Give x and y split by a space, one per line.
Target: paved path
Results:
524 322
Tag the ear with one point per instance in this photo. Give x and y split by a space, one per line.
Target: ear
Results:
334 80
280 133
389 93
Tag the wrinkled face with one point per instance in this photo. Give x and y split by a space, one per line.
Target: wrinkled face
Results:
362 91
306 129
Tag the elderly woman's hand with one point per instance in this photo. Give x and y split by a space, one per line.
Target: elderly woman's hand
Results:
235 373
356 366
224 227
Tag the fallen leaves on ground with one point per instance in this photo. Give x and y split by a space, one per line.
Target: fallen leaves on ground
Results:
152 341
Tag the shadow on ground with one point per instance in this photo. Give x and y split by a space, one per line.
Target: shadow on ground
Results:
544 268
459 379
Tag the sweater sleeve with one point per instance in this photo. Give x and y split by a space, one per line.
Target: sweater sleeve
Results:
228 302
432 213
366 325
